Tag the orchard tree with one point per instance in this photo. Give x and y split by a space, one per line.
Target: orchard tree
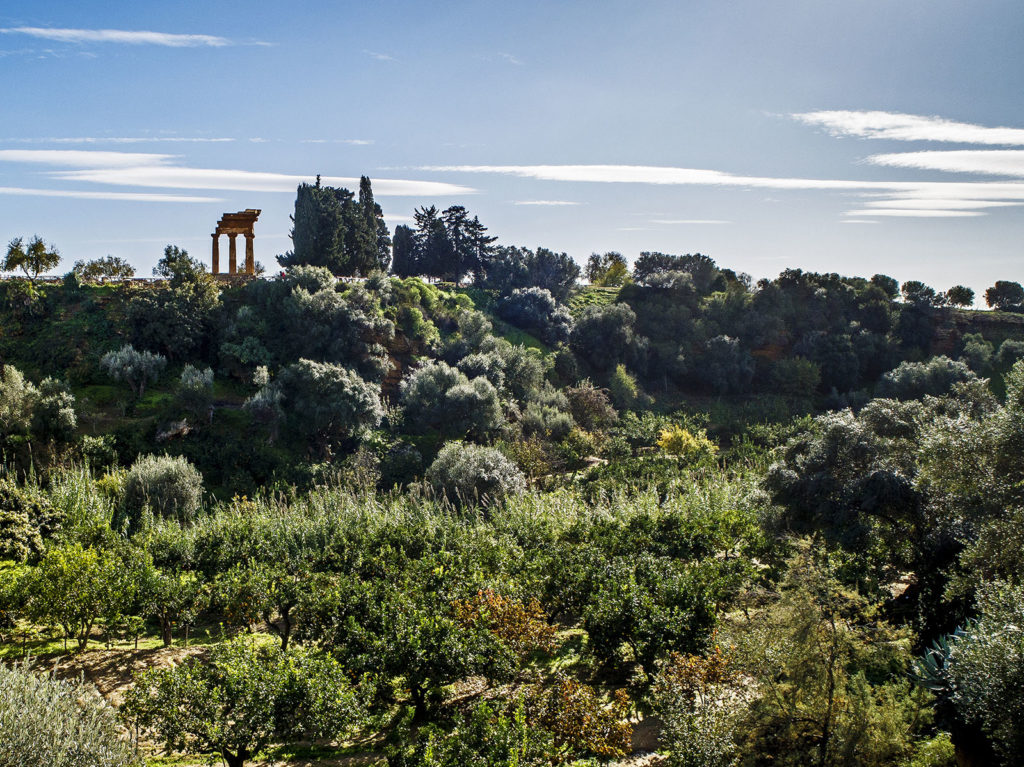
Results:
33 259
244 697
175 599
258 591
72 587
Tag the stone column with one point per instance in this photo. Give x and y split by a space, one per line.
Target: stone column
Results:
232 254
250 256
216 253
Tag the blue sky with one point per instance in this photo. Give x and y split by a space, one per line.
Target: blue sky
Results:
855 137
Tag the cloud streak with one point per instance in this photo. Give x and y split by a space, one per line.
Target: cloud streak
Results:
120 196
552 203
675 221
139 169
947 195
994 162
896 126
123 36
116 140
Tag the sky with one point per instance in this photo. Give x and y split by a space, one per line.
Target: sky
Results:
857 137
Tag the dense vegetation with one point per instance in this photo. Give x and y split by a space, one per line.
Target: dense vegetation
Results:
505 519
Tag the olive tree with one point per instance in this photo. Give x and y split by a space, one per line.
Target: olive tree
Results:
466 472
133 367
47 722
169 485
439 397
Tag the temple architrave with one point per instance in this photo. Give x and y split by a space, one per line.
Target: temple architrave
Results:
234 224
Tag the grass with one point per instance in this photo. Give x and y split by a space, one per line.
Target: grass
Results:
591 296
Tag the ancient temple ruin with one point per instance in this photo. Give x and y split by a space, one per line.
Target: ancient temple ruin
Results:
234 224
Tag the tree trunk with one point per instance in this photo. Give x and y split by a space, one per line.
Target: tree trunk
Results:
235 760
165 632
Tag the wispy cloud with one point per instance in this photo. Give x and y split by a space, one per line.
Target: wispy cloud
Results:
553 203
118 140
672 221
946 192
349 141
510 59
122 196
156 170
82 158
995 162
916 213
124 36
380 56
903 127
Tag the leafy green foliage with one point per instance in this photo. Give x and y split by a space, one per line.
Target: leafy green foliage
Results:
33 259
245 696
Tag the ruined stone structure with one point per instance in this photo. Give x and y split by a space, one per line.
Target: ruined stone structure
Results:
234 224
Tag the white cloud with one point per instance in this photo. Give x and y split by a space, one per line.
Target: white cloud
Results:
380 56
350 141
911 203
544 202
173 177
996 162
671 221
117 140
903 127
947 193
154 170
123 196
511 59
921 213
82 158
130 37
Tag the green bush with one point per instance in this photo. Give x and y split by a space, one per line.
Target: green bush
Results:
465 472
169 485
25 517
45 722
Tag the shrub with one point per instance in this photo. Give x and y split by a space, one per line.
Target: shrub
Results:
691 447
195 390
795 377
466 473
25 517
623 388
535 309
45 722
913 380
170 486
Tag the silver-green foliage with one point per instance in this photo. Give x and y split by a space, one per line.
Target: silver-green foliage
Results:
45 722
466 472
168 485
986 669
133 367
